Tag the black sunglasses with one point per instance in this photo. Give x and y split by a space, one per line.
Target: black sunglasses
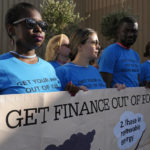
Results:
32 24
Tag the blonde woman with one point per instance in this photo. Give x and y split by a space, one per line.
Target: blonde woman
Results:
57 50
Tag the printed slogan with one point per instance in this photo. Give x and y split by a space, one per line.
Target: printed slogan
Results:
93 120
38 85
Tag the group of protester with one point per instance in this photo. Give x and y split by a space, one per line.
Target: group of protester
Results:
67 60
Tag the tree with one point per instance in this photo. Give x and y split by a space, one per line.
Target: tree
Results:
60 16
109 24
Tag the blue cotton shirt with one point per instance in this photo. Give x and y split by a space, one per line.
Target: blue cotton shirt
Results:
145 71
80 76
55 64
18 77
123 64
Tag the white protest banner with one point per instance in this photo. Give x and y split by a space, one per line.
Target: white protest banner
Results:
104 119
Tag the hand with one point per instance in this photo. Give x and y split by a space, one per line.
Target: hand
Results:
119 86
73 89
83 88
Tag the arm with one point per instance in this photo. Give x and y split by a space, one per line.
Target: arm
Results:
107 77
140 83
73 89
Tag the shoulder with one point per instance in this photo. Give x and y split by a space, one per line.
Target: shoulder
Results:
6 60
45 64
111 52
55 64
6 56
66 66
113 46
43 61
92 67
145 64
135 53
112 49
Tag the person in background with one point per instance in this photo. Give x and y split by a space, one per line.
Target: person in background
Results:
57 50
84 45
21 71
119 64
145 68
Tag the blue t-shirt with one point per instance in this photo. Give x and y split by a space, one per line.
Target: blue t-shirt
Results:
80 76
122 63
145 71
55 64
18 77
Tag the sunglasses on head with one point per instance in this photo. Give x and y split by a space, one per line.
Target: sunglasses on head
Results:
32 24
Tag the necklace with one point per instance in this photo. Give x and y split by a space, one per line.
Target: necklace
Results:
22 56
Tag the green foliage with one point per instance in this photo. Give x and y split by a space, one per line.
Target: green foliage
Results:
109 24
60 16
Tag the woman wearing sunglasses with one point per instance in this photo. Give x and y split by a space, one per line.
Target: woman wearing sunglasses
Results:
57 50
78 74
21 71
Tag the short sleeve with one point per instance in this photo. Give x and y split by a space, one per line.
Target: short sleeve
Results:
108 60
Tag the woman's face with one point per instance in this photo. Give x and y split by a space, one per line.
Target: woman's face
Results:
26 37
64 49
91 48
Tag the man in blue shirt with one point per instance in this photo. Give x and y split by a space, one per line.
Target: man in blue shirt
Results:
119 64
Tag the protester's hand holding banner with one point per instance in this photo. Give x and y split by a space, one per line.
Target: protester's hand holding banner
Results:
93 120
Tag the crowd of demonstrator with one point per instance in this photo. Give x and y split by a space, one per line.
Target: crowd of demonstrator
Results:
67 60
